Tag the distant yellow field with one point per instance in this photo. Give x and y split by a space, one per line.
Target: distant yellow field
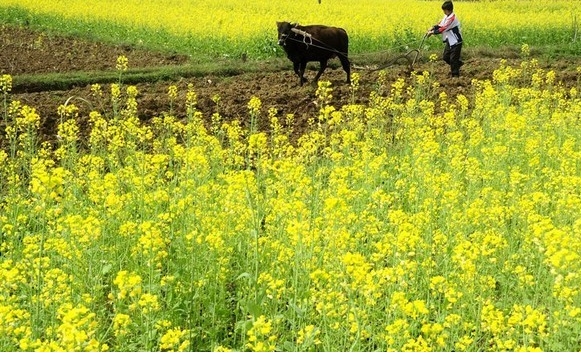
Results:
243 19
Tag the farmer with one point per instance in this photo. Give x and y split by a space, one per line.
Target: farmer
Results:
449 28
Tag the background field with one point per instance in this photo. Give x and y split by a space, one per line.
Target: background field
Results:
199 199
234 28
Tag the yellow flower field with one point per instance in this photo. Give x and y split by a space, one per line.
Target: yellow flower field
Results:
233 18
407 224
372 24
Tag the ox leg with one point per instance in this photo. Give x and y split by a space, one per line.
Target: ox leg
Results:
321 69
346 66
301 72
296 66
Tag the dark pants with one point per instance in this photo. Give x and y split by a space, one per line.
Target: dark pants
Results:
452 57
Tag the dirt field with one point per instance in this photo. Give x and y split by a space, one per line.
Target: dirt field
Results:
23 51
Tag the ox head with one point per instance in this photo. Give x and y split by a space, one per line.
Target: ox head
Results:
284 30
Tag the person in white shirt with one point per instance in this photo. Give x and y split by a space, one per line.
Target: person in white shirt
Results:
449 28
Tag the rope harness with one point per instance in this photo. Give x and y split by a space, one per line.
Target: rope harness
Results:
411 61
305 36
308 39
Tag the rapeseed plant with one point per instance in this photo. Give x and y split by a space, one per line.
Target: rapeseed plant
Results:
228 28
405 224
174 340
260 337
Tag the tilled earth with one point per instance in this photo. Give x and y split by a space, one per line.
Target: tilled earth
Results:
24 51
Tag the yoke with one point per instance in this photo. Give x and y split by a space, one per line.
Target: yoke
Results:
305 36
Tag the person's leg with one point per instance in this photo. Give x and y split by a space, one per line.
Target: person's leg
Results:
446 54
455 61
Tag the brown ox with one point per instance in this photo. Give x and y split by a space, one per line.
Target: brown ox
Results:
314 43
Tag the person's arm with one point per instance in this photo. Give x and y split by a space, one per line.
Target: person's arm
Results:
442 27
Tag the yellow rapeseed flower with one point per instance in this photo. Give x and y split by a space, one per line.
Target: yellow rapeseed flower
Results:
122 63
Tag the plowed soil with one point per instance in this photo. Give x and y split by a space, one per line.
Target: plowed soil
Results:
24 51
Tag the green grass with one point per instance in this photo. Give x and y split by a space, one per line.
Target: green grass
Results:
65 80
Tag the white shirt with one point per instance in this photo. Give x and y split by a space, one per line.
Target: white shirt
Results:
449 27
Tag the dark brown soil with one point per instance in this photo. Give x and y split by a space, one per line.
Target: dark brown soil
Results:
23 51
